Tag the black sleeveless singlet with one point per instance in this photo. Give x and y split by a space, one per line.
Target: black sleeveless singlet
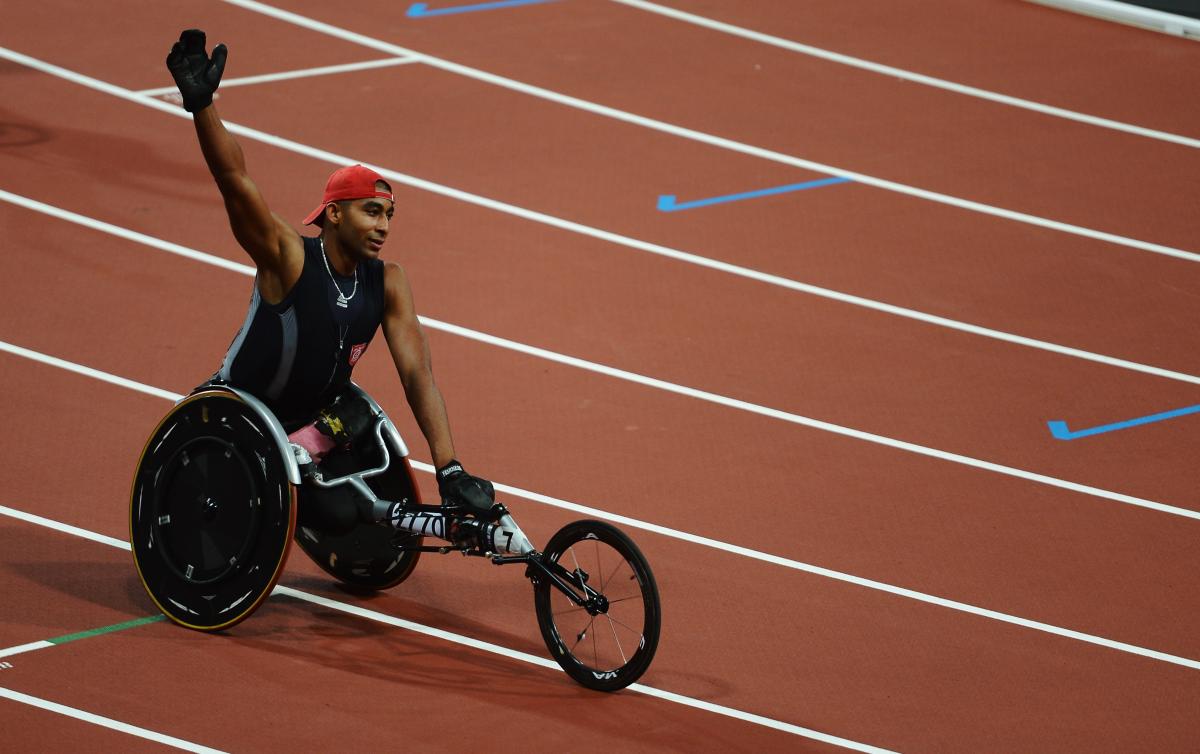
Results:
295 355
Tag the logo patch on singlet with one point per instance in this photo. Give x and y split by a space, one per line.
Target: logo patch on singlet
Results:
356 353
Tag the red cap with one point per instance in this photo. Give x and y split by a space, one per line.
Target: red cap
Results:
352 182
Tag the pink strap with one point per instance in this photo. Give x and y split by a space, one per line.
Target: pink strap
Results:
313 441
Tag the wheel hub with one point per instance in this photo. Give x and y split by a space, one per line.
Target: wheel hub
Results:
208 509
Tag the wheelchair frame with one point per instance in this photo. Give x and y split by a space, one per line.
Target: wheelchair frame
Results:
231 481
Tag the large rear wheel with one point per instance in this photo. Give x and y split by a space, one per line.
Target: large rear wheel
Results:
211 512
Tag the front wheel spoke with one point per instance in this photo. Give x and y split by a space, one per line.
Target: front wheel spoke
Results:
617 567
624 599
617 639
582 634
625 626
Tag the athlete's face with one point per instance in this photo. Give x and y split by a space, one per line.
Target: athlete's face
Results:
362 225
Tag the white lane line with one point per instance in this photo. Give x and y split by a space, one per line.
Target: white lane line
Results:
815 570
712 140
104 722
669 696
824 426
444 635
74 531
126 233
456 194
567 225
23 648
639 379
95 374
916 78
303 73
633 377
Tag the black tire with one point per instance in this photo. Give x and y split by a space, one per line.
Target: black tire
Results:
611 649
211 513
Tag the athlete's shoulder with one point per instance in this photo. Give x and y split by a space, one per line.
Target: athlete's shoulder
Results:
396 290
393 273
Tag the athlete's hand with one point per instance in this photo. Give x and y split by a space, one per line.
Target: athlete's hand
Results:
195 73
457 487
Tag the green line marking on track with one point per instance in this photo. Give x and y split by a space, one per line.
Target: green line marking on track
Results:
108 629
36 645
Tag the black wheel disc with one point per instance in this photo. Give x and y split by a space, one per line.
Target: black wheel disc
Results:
609 642
211 513
206 511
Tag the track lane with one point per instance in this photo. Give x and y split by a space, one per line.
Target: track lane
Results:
110 675
126 41
838 508
935 140
33 727
1015 48
774 490
878 398
1088 299
47 596
452 593
853 668
972 268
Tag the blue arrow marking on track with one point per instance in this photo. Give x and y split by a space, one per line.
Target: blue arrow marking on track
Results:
421 10
1060 431
667 203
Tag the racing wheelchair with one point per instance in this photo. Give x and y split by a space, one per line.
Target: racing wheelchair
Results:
220 493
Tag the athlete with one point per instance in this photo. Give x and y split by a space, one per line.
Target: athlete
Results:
318 301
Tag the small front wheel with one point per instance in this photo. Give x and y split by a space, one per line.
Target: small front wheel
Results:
607 642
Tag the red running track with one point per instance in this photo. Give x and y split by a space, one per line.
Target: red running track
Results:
760 637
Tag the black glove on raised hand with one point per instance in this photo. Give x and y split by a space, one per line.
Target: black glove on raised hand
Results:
196 75
457 487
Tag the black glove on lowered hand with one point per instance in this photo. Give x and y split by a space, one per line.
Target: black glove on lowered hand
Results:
457 487
196 75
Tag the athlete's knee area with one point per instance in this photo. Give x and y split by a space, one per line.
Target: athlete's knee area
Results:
343 422
346 418
341 433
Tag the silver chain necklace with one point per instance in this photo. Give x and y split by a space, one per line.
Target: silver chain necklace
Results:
342 300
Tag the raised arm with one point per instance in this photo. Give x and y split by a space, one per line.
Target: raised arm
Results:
273 245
